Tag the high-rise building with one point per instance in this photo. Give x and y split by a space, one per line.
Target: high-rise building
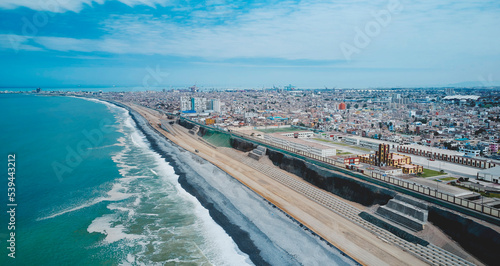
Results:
382 154
199 104
186 103
215 105
342 106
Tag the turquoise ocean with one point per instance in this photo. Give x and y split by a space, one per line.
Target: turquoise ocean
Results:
90 191
91 188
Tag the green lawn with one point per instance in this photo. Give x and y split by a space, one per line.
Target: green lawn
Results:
431 173
343 144
341 152
279 129
448 178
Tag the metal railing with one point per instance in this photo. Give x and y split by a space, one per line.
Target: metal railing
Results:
408 185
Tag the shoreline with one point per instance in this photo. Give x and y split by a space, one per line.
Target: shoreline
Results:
241 237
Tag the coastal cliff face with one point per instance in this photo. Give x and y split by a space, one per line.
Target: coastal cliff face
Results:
481 241
202 132
185 124
347 188
241 145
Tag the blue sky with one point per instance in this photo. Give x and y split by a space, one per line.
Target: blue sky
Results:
391 43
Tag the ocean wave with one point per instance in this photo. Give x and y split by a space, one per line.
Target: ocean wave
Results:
79 207
103 147
115 194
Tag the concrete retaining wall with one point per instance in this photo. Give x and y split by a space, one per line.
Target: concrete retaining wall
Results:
408 209
420 204
400 218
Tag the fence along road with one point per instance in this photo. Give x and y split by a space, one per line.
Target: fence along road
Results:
430 253
468 207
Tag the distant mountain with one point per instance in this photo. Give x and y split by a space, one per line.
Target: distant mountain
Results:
479 83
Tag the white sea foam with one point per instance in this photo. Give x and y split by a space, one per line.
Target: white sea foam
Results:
104 226
130 211
131 178
150 214
130 260
105 146
137 201
115 194
79 207
218 242
121 141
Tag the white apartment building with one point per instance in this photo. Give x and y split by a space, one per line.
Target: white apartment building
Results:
200 104
215 105
469 152
186 103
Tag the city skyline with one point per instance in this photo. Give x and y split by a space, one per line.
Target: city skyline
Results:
260 44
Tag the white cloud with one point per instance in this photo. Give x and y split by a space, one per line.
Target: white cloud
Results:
283 31
17 43
60 6
56 6
422 33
